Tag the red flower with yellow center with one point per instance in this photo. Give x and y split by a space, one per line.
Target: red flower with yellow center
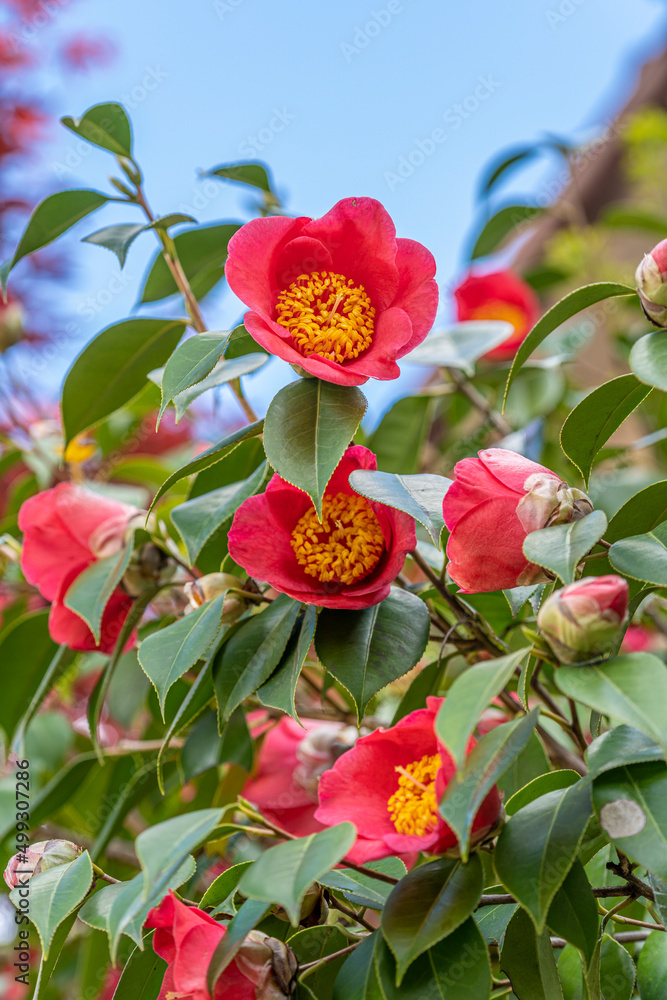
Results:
341 297
389 785
501 295
348 559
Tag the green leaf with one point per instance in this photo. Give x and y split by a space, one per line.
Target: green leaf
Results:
397 442
642 557
197 520
224 372
252 653
313 943
454 969
205 748
461 345
118 239
499 227
652 967
487 761
590 424
167 654
113 369
280 689
25 641
240 343
528 961
202 253
617 972
493 920
648 360
104 125
641 513
357 979
254 174
427 905
630 688
366 650
620 746
629 217
550 782
631 803
190 363
224 885
561 547
247 918
283 874
467 698
54 894
165 222
538 846
48 964
425 683
421 496
568 306
92 589
360 887
573 913
161 849
308 426
210 457
142 975
195 702
53 217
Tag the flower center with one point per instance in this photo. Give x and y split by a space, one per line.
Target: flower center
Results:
327 314
412 808
344 546
500 310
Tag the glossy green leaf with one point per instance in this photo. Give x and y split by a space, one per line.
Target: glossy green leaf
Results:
549 782
361 888
167 654
659 887
617 971
486 763
27 648
118 239
427 905
312 943
280 689
528 960
284 873
247 918
197 520
593 421
454 969
254 174
366 650
648 360
573 914
240 343
113 368
193 705
224 885
641 513
54 894
561 547
49 962
642 557
162 848
191 362
202 253
165 222
500 226
538 846
467 698
420 496
224 372
104 125
210 457
252 653
461 345
630 688
308 426
92 589
205 748
357 978
563 310
620 746
652 967
425 683
398 440
142 975
493 920
631 803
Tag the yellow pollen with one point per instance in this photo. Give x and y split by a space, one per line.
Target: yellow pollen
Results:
327 314
412 808
344 546
500 310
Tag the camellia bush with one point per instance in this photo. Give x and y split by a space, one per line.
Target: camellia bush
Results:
321 712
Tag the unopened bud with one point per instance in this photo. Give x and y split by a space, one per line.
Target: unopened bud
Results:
269 965
650 278
150 566
314 909
123 188
208 587
11 325
130 169
583 620
550 501
39 858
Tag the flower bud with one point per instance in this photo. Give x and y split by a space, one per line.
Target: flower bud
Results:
39 858
150 566
11 325
548 501
269 964
314 909
583 620
650 279
210 586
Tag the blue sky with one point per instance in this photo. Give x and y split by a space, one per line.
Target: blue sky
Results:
334 96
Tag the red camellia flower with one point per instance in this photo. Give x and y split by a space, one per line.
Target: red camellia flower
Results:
65 530
495 501
389 785
291 760
347 560
339 296
501 295
186 937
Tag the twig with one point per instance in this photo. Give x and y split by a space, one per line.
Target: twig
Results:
330 958
474 396
349 912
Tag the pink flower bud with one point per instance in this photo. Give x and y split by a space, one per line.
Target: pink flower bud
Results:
650 278
583 620
210 586
39 858
269 964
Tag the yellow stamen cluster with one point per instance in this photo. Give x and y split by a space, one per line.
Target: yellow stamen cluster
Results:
344 546
412 808
500 310
327 314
